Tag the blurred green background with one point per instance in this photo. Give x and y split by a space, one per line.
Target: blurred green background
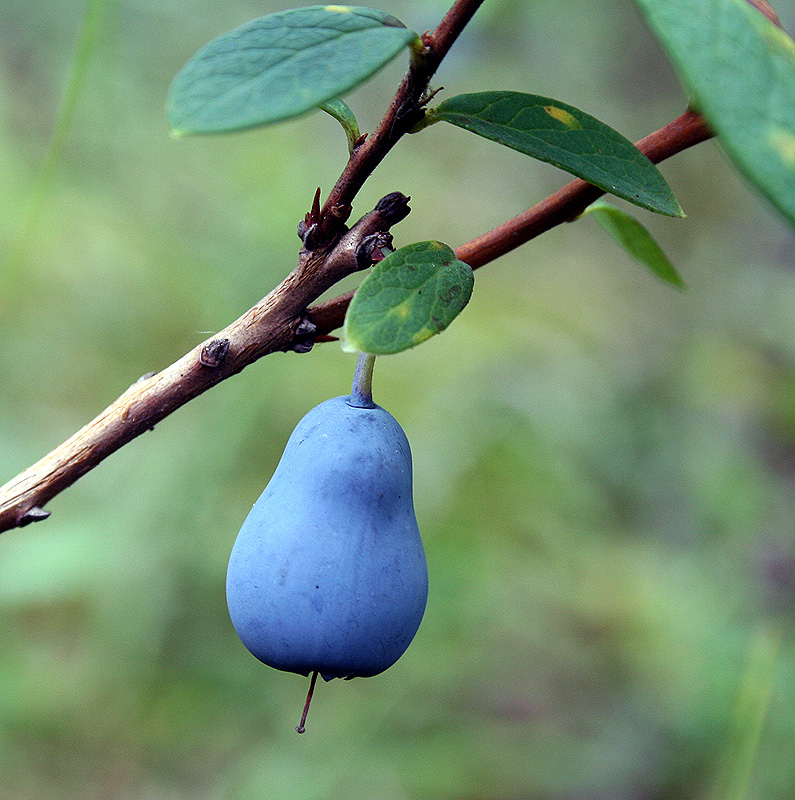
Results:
604 466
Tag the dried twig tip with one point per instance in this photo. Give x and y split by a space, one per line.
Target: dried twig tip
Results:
301 727
393 207
35 514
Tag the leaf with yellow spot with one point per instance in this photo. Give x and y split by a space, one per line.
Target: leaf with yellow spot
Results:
784 143
408 297
282 65
562 135
561 115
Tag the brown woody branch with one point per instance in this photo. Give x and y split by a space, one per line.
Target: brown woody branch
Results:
281 320
278 322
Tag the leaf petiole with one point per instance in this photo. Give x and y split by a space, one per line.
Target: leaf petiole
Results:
342 113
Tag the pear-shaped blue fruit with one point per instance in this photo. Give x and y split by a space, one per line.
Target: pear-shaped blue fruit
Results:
328 571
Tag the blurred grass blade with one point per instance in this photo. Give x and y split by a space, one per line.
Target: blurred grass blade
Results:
74 87
408 297
636 240
562 135
750 714
281 65
343 114
740 69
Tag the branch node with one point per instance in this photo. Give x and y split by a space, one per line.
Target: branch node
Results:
369 251
341 211
421 49
308 225
35 514
304 336
410 114
214 353
306 233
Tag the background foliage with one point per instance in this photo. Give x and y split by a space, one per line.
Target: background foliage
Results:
605 467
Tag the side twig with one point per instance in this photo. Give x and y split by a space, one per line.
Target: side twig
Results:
562 206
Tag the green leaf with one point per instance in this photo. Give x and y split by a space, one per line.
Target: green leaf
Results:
412 294
281 65
740 69
636 240
566 137
343 114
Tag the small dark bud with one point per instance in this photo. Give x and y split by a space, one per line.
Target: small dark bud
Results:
305 327
214 353
35 514
304 336
314 214
308 236
368 251
309 223
394 207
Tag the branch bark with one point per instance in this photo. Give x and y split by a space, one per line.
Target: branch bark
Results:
277 322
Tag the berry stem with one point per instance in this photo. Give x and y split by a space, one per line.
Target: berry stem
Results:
362 389
301 727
